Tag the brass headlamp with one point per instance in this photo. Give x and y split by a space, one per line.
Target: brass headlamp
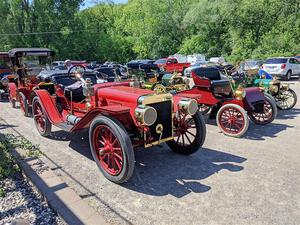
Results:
240 94
188 106
273 86
146 115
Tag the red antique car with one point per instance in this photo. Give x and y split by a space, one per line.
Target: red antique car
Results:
27 64
119 117
231 108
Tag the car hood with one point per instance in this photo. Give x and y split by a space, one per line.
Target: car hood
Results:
121 95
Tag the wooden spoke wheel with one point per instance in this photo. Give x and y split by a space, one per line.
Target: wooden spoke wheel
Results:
112 149
232 120
268 115
23 104
189 133
41 120
286 99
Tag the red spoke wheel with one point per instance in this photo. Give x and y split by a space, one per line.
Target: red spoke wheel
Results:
232 120
268 115
23 104
112 149
41 120
189 133
286 99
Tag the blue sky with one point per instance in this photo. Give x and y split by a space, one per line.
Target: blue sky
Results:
89 3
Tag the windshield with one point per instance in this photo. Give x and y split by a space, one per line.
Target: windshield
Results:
4 62
35 63
276 60
160 61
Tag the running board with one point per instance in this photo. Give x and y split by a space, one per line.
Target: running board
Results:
65 126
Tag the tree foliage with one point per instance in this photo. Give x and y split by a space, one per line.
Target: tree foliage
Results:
236 29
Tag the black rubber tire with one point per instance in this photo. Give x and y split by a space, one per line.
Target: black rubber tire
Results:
198 141
288 75
290 106
274 112
13 103
126 145
47 131
26 107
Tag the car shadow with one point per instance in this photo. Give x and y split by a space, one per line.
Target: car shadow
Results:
78 141
288 114
159 171
259 133
4 126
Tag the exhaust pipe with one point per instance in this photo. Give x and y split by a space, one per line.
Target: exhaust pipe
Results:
72 119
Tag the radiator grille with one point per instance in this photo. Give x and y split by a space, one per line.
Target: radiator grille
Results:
164 117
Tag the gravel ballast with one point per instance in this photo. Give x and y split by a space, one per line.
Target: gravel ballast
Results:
22 203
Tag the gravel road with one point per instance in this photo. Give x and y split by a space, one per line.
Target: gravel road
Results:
252 180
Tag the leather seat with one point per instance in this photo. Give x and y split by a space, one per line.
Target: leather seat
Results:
75 91
71 87
221 88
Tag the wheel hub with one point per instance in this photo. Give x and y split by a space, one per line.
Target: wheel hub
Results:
232 120
108 148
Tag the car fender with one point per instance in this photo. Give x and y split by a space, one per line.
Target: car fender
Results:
49 106
236 102
12 87
118 112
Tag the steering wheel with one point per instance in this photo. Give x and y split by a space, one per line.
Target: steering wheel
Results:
76 71
101 76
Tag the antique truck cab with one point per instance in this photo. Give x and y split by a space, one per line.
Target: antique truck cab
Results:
119 117
27 63
172 65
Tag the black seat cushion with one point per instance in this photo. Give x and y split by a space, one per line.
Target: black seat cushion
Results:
74 92
221 88
71 87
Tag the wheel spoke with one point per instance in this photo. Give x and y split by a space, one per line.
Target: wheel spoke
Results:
191 133
188 138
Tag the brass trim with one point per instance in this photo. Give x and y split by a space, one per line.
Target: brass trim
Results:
150 99
158 142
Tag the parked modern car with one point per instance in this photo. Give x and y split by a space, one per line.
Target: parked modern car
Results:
284 67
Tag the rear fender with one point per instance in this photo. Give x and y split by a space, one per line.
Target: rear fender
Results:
121 113
12 91
253 94
49 106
